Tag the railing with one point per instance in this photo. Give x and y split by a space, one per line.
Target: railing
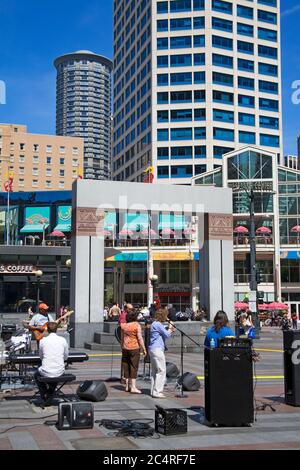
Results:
290 240
47 243
260 240
245 278
145 243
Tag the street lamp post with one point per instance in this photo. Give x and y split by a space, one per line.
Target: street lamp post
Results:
38 275
253 267
153 281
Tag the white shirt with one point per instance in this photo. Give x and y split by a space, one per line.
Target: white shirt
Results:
54 352
40 320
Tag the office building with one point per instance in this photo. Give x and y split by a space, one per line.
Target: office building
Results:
38 162
83 107
193 80
291 161
277 222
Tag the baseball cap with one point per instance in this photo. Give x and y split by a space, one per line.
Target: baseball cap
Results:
43 307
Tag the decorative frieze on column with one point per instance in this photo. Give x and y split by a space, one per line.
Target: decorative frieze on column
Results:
220 227
89 222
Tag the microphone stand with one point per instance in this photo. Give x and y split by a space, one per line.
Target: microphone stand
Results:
183 334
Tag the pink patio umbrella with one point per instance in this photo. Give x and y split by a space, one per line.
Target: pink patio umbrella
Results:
167 232
57 233
126 233
264 230
189 231
241 229
241 306
263 307
278 306
145 233
107 233
296 229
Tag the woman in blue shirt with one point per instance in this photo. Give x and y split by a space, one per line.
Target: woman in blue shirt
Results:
219 330
158 336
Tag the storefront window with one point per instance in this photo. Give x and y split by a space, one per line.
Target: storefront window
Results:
290 271
136 273
175 272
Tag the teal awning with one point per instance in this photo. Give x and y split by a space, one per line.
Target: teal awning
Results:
136 222
173 222
110 220
65 228
38 228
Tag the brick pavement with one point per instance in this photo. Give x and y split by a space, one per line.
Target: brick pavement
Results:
272 430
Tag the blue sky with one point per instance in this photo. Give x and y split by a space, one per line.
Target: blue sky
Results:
35 32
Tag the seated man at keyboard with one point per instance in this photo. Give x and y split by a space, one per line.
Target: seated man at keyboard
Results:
53 352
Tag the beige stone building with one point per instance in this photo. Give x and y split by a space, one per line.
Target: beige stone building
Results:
38 162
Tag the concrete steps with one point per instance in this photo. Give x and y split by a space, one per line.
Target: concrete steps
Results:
106 341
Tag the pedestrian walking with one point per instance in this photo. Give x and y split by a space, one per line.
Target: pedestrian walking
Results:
295 321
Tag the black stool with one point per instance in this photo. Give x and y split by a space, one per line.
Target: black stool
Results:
57 383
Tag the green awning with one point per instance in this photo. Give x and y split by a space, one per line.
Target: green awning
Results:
65 228
38 228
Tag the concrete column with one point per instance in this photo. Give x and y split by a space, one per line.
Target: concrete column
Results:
216 267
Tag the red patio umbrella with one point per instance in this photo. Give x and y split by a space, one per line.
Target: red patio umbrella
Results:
241 306
278 306
241 229
264 230
57 233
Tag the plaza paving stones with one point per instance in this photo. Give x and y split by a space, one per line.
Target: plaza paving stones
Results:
22 424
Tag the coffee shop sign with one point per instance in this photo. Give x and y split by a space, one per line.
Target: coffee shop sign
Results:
16 269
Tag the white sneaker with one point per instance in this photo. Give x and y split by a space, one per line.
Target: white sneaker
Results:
160 395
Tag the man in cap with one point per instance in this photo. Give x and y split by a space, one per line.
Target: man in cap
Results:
38 323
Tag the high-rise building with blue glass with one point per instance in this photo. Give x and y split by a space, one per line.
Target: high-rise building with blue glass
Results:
193 79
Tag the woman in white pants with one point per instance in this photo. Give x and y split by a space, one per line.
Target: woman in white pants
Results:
158 336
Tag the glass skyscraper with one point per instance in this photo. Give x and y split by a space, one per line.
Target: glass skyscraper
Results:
193 79
83 107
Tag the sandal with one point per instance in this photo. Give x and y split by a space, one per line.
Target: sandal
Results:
138 392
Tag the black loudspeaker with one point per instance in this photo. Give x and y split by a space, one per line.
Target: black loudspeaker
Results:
7 331
92 390
229 398
75 416
190 382
172 370
291 367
